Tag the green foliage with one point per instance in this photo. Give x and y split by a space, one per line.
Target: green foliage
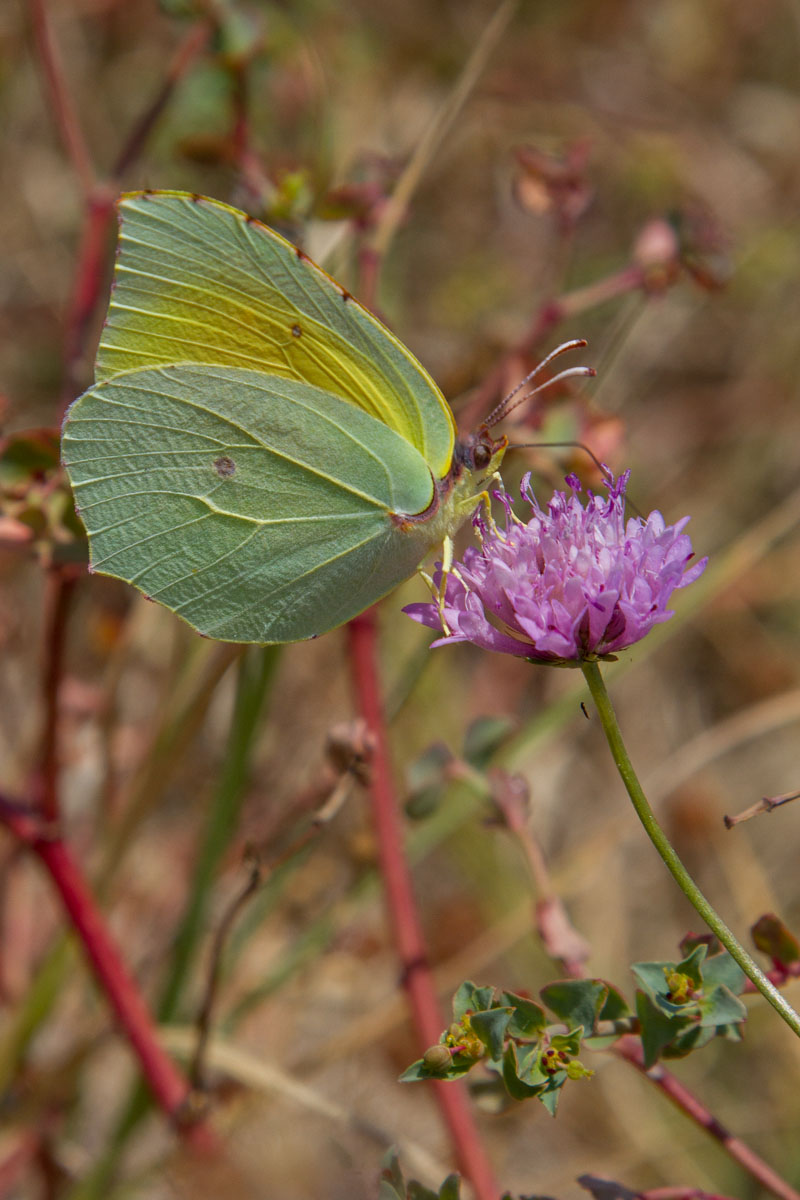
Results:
36 506
511 1036
394 1187
483 739
771 936
682 1006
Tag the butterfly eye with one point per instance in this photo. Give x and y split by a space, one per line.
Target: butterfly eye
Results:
481 455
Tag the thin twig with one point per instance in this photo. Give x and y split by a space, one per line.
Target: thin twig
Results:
192 45
679 1193
61 105
630 1048
60 589
166 1082
395 210
559 936
257 875
197 1069
662 844
765 804
417 977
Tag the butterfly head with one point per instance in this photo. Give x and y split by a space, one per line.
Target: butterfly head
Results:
480 453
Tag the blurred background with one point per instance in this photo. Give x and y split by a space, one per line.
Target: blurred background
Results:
628 173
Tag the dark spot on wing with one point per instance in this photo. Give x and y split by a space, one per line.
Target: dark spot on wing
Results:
224 466
296 331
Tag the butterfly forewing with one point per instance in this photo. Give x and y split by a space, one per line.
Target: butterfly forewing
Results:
197 281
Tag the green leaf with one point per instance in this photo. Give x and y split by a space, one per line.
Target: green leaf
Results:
429 767
653 978
418 1071
721 1007
772 937
417 1192
484 737
693 1038
529 1018
511 1076
606 1189
576 1001
470 998
571 1042
692 965
415 1073
28 456
657 1029
529 1066
491 1027
551 1095
615 1007
451 1188
426 778
724 970
392 1184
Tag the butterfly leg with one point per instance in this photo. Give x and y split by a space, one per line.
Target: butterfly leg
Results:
438 590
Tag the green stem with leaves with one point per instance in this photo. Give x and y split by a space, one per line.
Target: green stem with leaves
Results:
608 719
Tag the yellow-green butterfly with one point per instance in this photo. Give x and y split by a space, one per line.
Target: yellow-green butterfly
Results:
258 453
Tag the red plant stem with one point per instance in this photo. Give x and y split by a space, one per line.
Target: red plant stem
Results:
60 587
679 1193
630 1048
14 1165
90 273
417 977
166 1082
191 46
60 99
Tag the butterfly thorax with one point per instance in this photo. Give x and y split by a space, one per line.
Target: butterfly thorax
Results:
455 497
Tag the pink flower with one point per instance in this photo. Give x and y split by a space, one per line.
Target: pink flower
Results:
573 583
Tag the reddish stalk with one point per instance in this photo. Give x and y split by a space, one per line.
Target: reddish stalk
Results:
417 978
90 274
192 45
169 1087
18 1161
60 100
680 1193
630 1048
60 588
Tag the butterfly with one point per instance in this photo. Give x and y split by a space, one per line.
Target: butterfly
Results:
258 452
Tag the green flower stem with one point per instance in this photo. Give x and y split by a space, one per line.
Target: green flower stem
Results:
662 844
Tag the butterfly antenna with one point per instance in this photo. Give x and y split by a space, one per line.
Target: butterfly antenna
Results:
605 471
505 406
573 445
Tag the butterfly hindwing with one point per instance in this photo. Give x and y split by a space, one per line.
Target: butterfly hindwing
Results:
256 507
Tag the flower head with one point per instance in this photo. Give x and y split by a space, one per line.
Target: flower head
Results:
575 582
